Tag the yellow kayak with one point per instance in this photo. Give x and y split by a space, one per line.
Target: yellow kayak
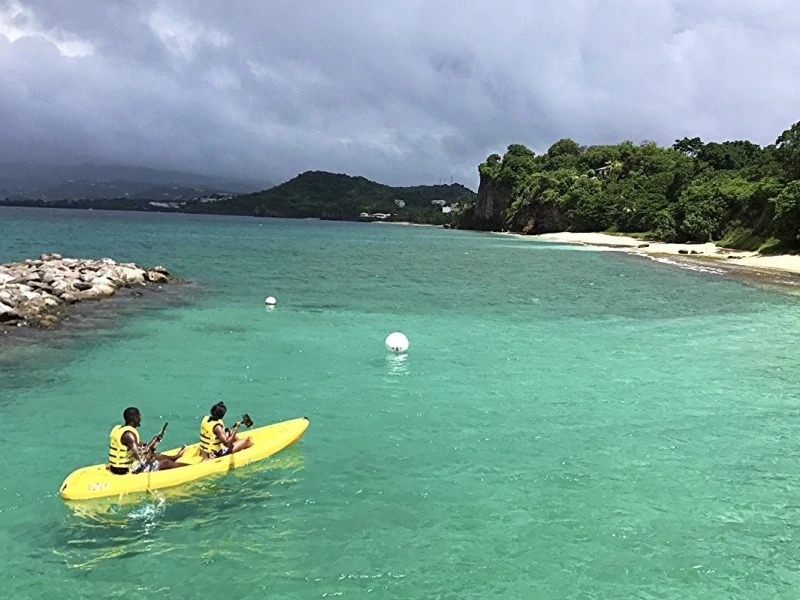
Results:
98 482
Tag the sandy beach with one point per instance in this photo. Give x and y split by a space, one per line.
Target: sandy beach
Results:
780 269
789 263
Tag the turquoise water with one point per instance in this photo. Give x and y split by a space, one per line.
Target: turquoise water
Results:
567 423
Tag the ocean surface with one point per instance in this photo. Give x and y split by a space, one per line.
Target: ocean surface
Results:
566 424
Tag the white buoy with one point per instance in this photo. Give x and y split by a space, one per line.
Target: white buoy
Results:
396 342
270 301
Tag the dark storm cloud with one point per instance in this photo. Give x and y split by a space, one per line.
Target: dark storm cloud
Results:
401 91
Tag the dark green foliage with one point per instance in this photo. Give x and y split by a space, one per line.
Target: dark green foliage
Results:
564 147
730 155
318 194
688 146
491 168
787 151
517 162
787 211
734 191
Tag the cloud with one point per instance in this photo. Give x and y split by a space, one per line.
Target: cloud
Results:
402 91
19 21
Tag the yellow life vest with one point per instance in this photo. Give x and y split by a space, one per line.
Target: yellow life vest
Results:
118 453
209 442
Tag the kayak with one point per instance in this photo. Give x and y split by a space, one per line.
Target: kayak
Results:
97 481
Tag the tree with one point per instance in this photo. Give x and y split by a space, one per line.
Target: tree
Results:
787 212
729 155
788 151
688 146
564 146
491 168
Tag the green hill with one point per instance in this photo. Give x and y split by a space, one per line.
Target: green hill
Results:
735 193
318 194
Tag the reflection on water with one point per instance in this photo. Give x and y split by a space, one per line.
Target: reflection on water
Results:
112 528
397 364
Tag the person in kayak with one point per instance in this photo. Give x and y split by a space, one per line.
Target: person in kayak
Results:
215 439
126 453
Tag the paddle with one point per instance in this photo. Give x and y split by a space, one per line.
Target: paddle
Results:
246 421
151 446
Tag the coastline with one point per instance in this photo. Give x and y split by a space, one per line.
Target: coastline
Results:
404 223
780 269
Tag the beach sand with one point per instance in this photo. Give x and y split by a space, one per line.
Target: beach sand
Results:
779 269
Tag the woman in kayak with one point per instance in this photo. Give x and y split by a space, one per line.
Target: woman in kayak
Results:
215 440
126 453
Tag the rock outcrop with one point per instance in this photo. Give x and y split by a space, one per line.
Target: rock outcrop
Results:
489 212
493 199
537 218
37 292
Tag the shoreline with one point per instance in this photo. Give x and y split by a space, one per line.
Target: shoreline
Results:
403 223
782 270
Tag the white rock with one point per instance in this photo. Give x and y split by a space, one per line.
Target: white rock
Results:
157 277
6 312
96 291
130 276
100 281
60 285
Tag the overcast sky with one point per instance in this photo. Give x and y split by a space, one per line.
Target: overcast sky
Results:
401 91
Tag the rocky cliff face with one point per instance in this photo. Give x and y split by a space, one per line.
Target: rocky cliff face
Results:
541 218
493 199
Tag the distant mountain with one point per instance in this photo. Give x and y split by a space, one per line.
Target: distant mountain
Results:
87 181
313 194
318 194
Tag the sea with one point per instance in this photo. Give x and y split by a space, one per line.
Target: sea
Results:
566 423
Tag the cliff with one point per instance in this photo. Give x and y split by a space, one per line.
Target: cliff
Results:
491 211
547 217
493 199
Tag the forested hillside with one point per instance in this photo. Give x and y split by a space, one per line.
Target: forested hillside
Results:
733 192
319 194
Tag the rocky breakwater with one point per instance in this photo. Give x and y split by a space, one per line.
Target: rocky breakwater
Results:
38 292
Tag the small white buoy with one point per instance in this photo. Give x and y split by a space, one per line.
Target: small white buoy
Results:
396 342
270 301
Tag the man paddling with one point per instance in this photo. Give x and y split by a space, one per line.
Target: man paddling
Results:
126 454
215 440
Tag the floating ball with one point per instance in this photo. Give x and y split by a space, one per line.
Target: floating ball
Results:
270 301
396 342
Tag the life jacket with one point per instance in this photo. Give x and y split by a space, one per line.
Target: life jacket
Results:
209 442
118 453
